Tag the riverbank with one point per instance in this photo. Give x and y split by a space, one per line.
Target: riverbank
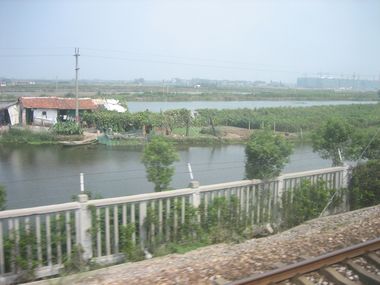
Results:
171 92
235 261
293 122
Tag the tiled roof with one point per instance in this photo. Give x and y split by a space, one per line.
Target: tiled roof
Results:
57 103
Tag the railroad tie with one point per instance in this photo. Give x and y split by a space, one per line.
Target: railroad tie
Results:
366 277
302 280
336 277
373 258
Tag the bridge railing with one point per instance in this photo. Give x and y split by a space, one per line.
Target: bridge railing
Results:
42 239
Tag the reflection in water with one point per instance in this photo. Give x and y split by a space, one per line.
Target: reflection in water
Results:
41 175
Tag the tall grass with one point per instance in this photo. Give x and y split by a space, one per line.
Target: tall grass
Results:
27 136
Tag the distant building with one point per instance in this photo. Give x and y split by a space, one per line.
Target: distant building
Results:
110 105
337 83
46 111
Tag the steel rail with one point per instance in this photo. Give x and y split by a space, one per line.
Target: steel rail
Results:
313 264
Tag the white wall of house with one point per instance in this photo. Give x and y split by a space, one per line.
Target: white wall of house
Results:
45 116
14 114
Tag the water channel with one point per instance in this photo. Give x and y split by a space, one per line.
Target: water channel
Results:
42 175
194 105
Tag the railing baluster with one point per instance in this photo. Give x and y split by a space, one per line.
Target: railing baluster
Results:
11 237
2 265
241 190
183 206
58 233
269 207
247 200
258 203
160 219
17 238
133 222
116 229
253 216
152 226
107 222
68 233
175 212
48 240
98 233
167 219
124 214
77 227
38 238
205 199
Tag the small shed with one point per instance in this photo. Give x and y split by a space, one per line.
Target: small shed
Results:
9 114
46 111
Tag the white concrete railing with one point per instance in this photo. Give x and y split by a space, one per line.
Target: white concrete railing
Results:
48 234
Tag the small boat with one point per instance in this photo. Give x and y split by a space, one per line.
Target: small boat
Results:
78 143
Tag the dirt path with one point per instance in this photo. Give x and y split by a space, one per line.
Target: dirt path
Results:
234 261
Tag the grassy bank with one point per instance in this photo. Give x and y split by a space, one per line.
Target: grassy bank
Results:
25 136
246 95
157 92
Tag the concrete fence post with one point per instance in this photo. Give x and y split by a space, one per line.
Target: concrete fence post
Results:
196 194
142 217
196 197
280 188
278 199
84 234
344 186
345 177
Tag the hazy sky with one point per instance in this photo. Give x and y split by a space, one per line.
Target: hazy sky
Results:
215 39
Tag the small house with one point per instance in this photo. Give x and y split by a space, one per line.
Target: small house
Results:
46 111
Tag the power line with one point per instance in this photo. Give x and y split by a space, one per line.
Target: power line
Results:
370 142
191 64
35 55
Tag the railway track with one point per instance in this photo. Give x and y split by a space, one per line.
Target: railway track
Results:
354 265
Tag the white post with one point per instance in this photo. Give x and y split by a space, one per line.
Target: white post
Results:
190 171
81 183
196 197
345 177
142 216
84 235
280 187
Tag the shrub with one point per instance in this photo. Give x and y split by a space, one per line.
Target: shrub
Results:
304 202
67 128
364 187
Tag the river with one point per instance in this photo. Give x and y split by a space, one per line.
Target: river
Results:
194 105
42 175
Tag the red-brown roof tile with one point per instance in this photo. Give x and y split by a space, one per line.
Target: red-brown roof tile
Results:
57 103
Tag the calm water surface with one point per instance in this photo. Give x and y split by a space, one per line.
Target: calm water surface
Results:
42 175
194 105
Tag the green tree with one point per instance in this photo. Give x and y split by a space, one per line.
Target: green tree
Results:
364 187
158 156
266 155
331 137
3 196
306 201
366 144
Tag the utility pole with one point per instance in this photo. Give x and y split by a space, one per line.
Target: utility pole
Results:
76 85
